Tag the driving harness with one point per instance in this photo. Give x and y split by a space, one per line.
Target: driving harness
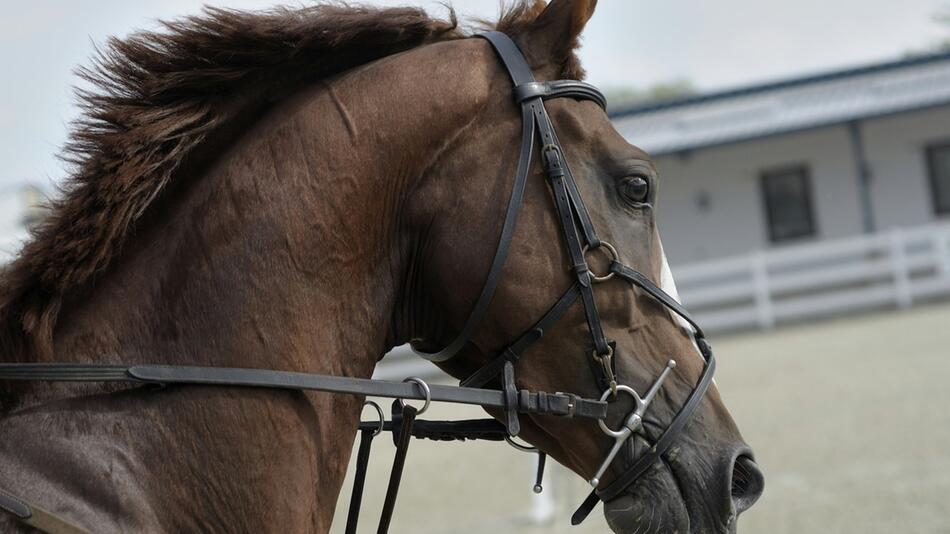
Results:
580 239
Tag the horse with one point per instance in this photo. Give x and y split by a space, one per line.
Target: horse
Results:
304 189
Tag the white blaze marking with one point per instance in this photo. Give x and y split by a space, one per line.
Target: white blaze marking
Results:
668 285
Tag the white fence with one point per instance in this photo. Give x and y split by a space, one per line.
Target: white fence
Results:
895 269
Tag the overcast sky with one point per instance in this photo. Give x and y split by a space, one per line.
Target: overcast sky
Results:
714 44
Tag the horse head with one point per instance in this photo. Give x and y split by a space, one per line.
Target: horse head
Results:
585 299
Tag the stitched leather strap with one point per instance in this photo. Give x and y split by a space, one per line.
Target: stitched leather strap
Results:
501 251
511 57
530 94
558 89
469 429
511 399
666 440
359 479
514 351
403 438
644 283
563 404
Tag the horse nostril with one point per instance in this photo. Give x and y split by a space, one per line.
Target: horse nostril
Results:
747 483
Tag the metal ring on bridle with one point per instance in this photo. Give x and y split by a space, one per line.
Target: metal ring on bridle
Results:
601 357
382 418
425 389
611 251
608 393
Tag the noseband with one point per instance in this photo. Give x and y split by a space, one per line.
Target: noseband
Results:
581 241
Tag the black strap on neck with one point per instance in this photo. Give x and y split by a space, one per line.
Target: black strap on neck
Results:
530 95
662 445
359 479
464 430
402 440
541 403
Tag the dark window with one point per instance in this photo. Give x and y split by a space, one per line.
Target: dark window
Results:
787 194
938 163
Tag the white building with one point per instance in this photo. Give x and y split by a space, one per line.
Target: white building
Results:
815 158
786 201
805 198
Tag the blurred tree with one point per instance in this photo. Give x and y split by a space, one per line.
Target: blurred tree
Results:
621 97
943 18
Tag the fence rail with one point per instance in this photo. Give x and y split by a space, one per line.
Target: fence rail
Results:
896 268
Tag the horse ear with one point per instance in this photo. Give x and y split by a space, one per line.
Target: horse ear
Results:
557 28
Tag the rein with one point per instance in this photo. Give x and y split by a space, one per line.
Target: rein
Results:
581 240
541 403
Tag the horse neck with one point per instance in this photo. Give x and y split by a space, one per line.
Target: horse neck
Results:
286 252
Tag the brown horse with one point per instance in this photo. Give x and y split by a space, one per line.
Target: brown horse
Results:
303 190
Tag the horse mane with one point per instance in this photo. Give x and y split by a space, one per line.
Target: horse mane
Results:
155 97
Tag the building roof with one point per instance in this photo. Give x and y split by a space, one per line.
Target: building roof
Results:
787 106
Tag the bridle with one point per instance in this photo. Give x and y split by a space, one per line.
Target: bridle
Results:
580 239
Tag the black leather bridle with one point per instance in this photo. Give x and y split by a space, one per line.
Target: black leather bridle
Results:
580 239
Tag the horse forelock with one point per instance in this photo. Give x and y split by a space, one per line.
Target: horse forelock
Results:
155 98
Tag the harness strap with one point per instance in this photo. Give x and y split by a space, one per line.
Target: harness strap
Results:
563 404
666 440
402 439
501 252
511 397
470 429
638 279
558 174
359 479
530 94
514 351
36 517
511 57
559 89
580 209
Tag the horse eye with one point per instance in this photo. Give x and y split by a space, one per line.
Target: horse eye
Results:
635 189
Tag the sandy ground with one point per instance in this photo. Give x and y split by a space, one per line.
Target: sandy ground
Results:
850 421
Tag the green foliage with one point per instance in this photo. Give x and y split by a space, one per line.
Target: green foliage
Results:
942 17
619 97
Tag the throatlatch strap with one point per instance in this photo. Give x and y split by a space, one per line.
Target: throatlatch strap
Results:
520 73
529 94
359 480
399 462
531 336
